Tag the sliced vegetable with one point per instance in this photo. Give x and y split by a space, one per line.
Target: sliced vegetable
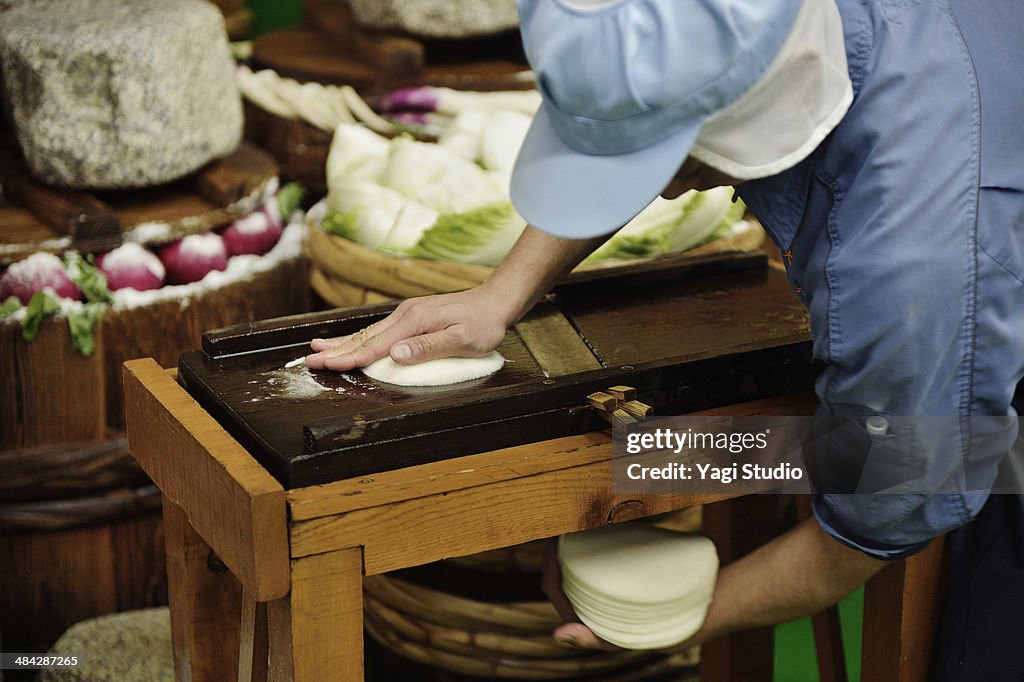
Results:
339 224
671 225
356 154
370 210
501 138
463 134
413 221
439 178
482 236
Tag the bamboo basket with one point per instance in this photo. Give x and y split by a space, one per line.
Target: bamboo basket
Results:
433 622
344 273
494 641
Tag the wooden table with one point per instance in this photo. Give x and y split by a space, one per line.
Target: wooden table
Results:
257 566
240 546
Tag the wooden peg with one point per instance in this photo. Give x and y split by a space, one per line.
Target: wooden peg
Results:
602 401
623 393
637 408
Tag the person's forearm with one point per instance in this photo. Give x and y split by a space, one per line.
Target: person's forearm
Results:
536 263
795 575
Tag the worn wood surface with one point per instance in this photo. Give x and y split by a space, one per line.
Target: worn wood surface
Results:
316 633
254 647
29 223
231 501
69 212
738 527
49 393
554 342
354 426
437 478
902 609
205 603
307 54
393 55
481 518
224 181
53 579
695 318
257 388
165 330
299 147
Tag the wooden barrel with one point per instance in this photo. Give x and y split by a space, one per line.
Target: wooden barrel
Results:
80 524
80 535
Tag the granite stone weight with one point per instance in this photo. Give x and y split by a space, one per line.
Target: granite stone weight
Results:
437 18
113 94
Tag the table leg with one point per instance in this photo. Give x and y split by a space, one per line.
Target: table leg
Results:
252 659
316 633
205 601
737 527
902 608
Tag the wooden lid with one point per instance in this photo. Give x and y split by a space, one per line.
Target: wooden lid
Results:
36 218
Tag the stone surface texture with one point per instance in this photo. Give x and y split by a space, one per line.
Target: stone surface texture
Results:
109 94
134 646
438 18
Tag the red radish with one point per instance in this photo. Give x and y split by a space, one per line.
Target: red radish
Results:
256 233
131 265
37 272
190 259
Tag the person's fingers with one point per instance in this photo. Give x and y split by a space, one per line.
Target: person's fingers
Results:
326 344
447 343
551 583
363 347
580 636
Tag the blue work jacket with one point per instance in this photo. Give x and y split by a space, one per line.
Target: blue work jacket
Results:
903 233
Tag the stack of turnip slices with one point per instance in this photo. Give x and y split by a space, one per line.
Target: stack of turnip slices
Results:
639 586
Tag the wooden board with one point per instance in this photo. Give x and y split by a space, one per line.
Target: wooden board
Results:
313 427
311 55
35 217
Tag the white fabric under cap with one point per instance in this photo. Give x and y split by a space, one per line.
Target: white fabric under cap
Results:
626 88
802 96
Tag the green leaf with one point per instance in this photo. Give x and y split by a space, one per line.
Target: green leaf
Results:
89 278
340 224
11 305
289 198
82 324
482 235
41 306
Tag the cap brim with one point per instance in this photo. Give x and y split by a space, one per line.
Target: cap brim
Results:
571 194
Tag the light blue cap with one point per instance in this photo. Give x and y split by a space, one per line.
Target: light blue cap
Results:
626 86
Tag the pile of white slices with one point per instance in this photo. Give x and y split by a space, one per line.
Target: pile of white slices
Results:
639 586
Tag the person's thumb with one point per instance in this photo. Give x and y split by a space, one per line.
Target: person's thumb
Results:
443 344
580 636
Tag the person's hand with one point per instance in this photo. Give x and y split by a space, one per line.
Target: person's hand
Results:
464 324
572 632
